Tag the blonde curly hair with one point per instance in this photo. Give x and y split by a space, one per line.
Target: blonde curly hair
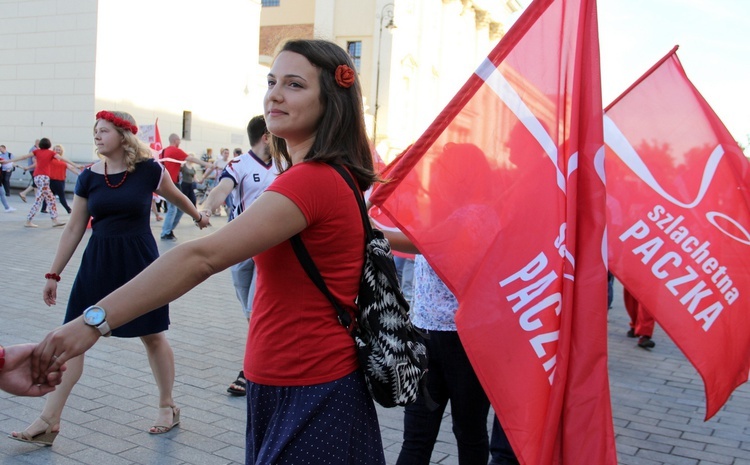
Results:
136 150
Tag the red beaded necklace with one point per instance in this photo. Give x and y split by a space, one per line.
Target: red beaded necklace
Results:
106 179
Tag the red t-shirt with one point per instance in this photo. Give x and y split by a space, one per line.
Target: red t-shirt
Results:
172 167
295 338
57 170
43 159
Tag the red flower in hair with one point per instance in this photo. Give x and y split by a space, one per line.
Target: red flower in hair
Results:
345 76
117 121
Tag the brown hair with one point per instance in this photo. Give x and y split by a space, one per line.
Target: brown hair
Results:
341 137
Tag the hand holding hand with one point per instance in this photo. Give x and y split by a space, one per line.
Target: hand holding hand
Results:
204 221
59 346
16 377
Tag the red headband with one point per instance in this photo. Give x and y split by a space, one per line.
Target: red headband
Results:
117 121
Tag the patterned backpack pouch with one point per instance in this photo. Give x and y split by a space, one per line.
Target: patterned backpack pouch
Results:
391 351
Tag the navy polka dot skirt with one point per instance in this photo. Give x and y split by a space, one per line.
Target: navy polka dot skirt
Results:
331 423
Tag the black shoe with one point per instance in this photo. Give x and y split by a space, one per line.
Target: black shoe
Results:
631 333
43 211
169 237
237 388
646 342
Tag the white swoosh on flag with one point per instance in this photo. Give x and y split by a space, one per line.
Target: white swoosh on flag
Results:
622 148
497 82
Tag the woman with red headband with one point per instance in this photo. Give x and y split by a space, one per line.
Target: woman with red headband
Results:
116 194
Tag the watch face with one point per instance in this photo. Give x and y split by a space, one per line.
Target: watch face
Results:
94 316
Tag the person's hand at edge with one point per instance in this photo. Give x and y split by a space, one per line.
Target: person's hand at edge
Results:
60 345
16 377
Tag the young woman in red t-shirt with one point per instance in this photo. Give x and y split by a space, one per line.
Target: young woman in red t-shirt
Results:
307 399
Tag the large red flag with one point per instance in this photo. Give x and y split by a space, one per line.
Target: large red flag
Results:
504 195
679 216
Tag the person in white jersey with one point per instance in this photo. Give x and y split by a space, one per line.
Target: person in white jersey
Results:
245 178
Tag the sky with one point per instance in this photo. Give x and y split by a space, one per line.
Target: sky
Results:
714 50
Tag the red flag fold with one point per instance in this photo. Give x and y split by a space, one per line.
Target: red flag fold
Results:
504 195
678 222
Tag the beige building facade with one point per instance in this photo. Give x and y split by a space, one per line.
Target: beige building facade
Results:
413 55
200 67
192 65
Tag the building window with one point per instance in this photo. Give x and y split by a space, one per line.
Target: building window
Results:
187 124
270 2
355 51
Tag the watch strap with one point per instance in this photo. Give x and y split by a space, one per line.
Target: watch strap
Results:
104 329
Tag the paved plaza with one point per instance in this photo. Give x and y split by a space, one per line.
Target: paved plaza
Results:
657 397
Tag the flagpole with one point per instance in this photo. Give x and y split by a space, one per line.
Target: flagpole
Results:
645 75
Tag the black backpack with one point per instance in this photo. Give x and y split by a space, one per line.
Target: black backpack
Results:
391 351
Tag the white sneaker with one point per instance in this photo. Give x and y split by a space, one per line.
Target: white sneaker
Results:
10 209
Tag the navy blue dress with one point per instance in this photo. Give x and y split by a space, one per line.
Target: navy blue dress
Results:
121 243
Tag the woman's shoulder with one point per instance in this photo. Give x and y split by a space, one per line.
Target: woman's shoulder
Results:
151 170
96 167
314 169
83 181
148 164
310 175
43 152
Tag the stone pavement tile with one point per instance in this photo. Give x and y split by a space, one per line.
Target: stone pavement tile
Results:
722 454
144 456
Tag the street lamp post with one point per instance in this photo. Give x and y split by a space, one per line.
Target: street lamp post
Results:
385 13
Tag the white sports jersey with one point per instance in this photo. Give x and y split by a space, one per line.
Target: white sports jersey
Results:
251 176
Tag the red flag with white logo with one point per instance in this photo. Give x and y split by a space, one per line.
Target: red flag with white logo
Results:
156 143
149 133
504 195
679 222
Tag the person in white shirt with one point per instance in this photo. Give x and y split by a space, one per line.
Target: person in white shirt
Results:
245 178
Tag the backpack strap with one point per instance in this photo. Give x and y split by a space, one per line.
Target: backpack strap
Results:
312 271
309 265
369 235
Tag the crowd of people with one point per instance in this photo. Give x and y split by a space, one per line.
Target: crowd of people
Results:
300 367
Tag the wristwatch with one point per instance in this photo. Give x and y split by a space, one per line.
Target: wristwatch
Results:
96 316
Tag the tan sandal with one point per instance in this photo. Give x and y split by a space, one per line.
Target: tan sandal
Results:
161 429
44 438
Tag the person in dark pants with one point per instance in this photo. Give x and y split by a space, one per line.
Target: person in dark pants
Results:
7 168
501 453
57 177
450 378
187 184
